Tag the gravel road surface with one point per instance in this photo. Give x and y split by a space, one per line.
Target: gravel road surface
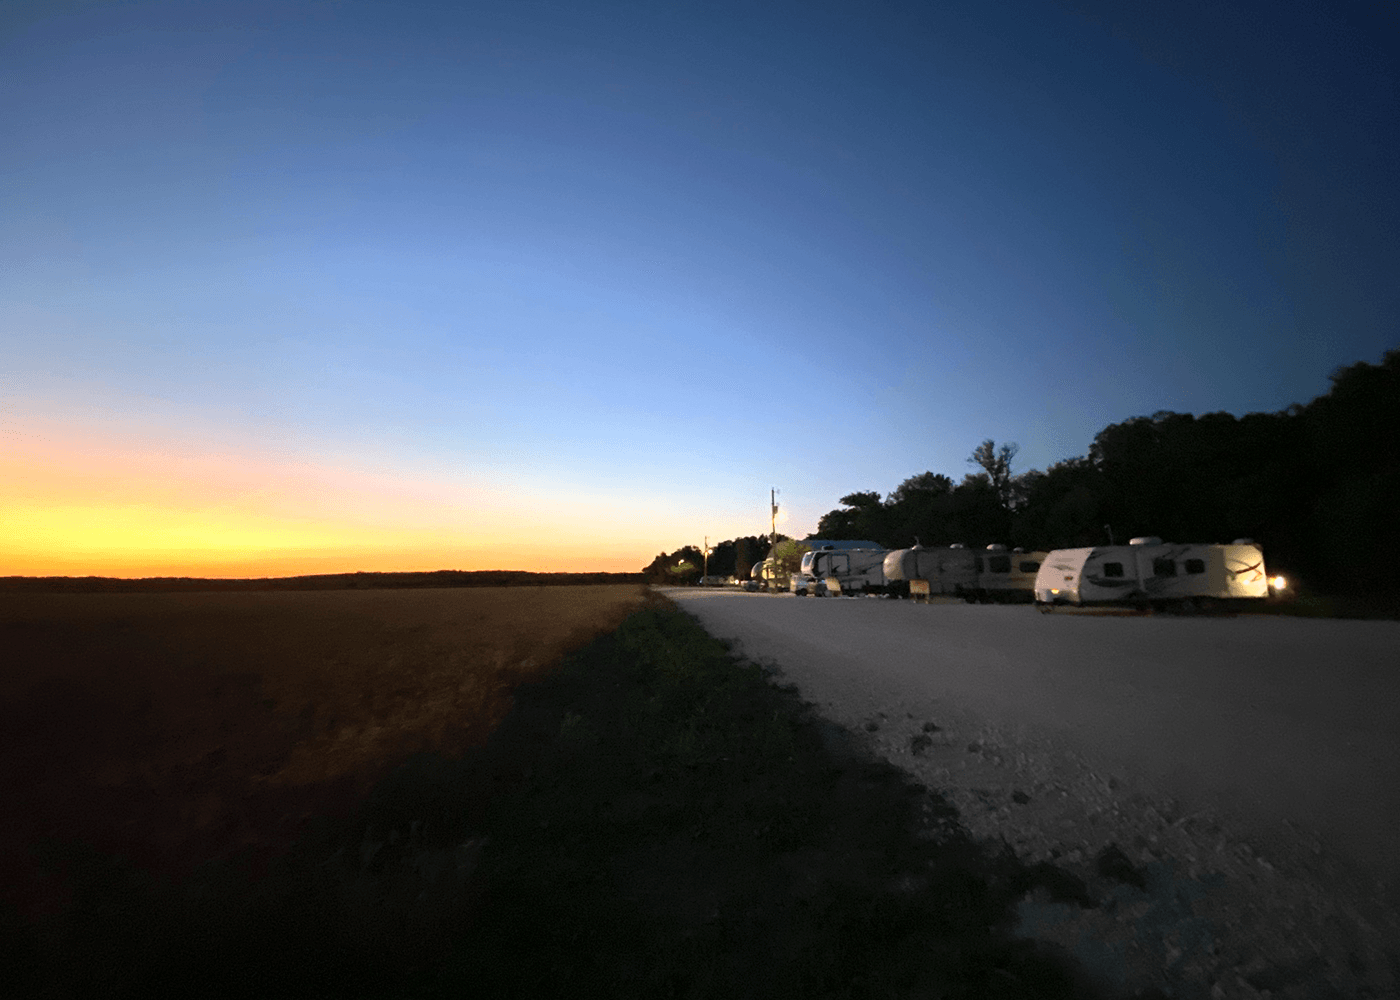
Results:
1284 731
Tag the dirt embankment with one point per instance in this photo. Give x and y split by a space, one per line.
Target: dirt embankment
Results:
169 729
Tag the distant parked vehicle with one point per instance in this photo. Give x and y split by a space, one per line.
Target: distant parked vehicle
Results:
1150 573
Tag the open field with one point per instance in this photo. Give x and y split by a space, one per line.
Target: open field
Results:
322 581
171 729
652 817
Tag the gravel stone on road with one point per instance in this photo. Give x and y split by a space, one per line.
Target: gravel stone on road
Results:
1228 787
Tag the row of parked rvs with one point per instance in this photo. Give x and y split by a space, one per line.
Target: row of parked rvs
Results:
1147 572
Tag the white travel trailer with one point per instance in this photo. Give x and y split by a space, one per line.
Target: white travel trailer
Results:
1148 572
951 570
992 574
859 571
803 582
1007 576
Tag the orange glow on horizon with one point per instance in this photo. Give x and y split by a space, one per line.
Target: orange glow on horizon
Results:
73 503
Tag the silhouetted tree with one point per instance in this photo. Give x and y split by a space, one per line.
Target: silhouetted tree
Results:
918 510
787 556
997 465
1352 437
745 555
862 518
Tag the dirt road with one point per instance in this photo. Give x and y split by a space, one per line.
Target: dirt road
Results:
1290 727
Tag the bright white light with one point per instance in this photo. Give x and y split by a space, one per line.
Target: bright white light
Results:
1278 583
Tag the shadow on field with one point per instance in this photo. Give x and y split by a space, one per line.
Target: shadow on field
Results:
654 819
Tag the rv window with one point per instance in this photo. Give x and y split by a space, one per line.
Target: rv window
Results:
1163 567
1029 567
1195 566
1112 569
999 564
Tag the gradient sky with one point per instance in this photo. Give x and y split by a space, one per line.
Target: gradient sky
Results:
293 287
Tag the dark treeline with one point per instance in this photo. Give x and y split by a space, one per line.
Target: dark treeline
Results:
734 557
326 581
1317 485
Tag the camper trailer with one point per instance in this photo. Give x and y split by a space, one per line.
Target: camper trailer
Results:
992 574
951 570
1150 573
1006 577
803 582
847 571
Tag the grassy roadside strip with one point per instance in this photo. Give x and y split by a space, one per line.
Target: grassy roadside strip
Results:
655 819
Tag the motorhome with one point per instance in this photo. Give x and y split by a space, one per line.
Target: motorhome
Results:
1148 572
847 570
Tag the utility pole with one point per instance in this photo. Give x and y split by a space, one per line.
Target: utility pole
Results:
773 528
705 575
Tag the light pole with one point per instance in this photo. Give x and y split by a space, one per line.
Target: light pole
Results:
705 574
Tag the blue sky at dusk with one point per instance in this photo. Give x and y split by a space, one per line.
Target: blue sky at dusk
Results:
371 285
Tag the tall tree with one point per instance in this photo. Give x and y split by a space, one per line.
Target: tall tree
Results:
997 464
745 555
787 555
862 518
918 487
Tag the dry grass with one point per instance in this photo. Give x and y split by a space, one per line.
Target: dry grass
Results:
169 729
653 818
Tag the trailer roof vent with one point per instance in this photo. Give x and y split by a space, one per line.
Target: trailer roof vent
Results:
1243 541
957 545
996 548
1018 549
1145 540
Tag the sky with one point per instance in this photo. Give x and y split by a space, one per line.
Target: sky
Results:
305 286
